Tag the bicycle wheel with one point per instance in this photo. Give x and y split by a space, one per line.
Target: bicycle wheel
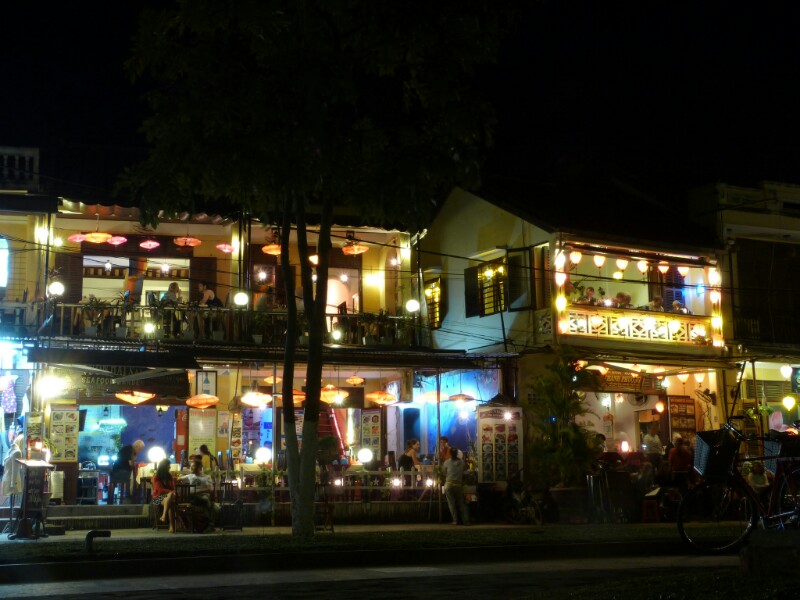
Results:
789 496
714 517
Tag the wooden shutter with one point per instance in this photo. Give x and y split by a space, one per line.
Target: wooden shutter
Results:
472 292
70 273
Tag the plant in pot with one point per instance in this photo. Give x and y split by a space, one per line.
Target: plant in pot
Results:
563 451
93 312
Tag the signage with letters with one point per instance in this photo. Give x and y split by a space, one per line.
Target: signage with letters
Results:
171 384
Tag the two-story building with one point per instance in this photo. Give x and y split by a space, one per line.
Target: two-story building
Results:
628 284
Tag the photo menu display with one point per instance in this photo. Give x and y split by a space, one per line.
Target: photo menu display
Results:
64 429
371 430
500 443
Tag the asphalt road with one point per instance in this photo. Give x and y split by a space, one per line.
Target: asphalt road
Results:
511 579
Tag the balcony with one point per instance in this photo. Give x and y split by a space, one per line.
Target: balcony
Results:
611 324
188 323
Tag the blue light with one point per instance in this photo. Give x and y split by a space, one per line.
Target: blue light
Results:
700 289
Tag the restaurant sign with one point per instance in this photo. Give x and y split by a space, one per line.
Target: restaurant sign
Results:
174 383
621 381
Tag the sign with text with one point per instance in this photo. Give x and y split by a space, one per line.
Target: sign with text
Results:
171 384
202 429
621 381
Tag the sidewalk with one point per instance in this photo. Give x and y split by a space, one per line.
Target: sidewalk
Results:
271 548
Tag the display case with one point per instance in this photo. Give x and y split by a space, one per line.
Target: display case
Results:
87 486
682 418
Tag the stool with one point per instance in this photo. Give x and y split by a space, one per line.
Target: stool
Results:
650 511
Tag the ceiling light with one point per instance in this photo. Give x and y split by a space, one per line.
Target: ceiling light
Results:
599 260
575 257
353 248
133 397
355 380
225 248
149 244
76 238
381 397
642 266
202 401
117 240
186 241
273 249
663 266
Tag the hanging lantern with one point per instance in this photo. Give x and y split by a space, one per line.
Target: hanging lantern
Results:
273 249
381 397
786 371
225 248
76 238
355 380
699 377
330 394
186 241
149 244
202 401
132 397
560 260
575 257
788 402
117 240
659 406
97 236
684 271
713 277
462 397
353 248
560 278
714 296
256 399
561 303
622 264
272 380
642 266
683 377
599 260
663 267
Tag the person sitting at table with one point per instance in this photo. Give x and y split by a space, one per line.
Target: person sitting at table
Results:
657 304
204 487
677 307
164 493
587 297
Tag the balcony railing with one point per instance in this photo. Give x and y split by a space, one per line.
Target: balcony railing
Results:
193 323
619 324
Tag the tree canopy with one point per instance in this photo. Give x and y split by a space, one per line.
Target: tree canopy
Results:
291 112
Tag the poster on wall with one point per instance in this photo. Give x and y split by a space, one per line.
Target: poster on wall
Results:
236 437
500 443
223 423
64 429
205 382
202 429
371 430
298 427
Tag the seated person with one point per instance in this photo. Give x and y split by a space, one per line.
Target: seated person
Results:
587 297
657 304
164 493
677 307
680 462
204 487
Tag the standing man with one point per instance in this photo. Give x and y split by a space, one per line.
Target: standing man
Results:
454 487
123 471
652 445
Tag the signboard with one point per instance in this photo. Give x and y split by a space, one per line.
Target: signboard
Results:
202 429
298 427
64 429
500 448
171 384
796 380
34 485
371 430
236 437
622 381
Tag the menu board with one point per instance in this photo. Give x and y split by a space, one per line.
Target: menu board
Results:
371 430
34 426
682 418
64 429
202 429
236 437
298 427
500 447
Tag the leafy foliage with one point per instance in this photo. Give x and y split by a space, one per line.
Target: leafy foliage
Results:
563 451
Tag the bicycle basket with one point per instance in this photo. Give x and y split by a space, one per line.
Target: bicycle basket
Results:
714 454
782 445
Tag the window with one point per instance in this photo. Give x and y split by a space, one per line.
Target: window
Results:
485 289
3 262
433 299
520 280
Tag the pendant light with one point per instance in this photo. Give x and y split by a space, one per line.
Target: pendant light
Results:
225 248
149 244
133 397
381 397
330 394
354 379
202 401
186 241
353 247
97 236
117 240
77 238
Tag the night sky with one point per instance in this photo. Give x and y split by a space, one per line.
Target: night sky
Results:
676 95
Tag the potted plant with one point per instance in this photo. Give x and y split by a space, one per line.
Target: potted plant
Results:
124 307
93 312
563 451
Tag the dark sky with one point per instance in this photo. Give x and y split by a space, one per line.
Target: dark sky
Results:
676 94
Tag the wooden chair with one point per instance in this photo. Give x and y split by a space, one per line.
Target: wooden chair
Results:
184 509
231 507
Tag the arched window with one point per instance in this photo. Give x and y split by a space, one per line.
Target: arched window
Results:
3 262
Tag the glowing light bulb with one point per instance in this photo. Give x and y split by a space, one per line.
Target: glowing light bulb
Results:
713 276
575 257
560 260
561 303
617 275
673 326
663 267
563 326
684 271
642 266
786 371
716 322
699 377
599 260
788 402
560 278
622 264
714 296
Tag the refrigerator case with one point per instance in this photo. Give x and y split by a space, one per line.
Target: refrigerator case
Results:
499 443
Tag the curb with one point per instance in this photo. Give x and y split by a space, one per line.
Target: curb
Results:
119 568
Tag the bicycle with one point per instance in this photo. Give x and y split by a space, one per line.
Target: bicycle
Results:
721 512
